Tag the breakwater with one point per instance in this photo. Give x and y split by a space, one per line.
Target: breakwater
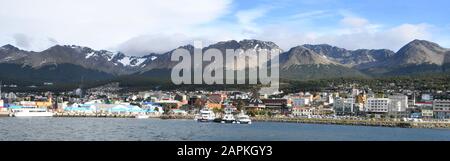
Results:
109 115
382 123
177 117
98 115
362 122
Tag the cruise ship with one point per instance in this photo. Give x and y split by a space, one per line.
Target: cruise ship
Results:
31 112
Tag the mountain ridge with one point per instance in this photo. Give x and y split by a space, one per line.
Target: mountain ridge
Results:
296 61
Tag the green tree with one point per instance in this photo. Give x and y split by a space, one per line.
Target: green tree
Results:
240 105
217 110
251 113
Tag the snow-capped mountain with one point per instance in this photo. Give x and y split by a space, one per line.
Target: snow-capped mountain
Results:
304 61
115 63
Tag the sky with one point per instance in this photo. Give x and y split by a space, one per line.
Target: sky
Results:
138 27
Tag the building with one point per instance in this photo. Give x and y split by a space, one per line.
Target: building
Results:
398 103
27 103
361 98
182 98
255 104
300 102
215 101
427 97
302 111
45 103
330 99
427 113
344 106
421 105
2 106
276 105
377 105
197 101
441 109
360 101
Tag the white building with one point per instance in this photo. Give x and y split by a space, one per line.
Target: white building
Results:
427 97
299 102
441 109
344 106
377 105
330 99
398 103
302 111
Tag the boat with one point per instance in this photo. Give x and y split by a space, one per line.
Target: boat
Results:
205 115
243 119
141 116
228 118
31 112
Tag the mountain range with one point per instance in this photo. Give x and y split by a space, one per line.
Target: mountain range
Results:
305 62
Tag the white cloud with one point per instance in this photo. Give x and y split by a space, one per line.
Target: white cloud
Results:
22 40
354 21
246 19
310 15
104 23
248 16
142 26
158 43
351 32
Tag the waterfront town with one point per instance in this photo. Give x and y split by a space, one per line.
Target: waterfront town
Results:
348 103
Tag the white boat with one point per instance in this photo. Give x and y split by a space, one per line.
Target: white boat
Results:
243 119
31 112
206 115
228 118
142 116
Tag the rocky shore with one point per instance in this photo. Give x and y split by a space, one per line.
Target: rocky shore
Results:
354 122
381 123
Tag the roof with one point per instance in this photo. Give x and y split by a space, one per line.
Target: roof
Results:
429 103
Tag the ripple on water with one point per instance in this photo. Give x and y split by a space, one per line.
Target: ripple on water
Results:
184 130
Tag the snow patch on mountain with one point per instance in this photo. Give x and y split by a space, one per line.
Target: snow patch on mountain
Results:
153 58
139 61
126 61
90 55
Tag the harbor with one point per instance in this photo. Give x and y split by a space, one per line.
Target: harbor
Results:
348 105
154 129
348 122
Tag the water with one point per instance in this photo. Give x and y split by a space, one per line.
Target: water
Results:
156 130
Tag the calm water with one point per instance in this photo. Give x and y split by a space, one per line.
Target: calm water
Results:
156 129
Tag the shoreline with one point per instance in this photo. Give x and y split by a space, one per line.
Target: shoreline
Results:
347 122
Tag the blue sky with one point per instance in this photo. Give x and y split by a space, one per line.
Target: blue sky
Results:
340 20
141 26
385 11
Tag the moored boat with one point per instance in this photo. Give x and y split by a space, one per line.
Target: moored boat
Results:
228 118
243 119
205 115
